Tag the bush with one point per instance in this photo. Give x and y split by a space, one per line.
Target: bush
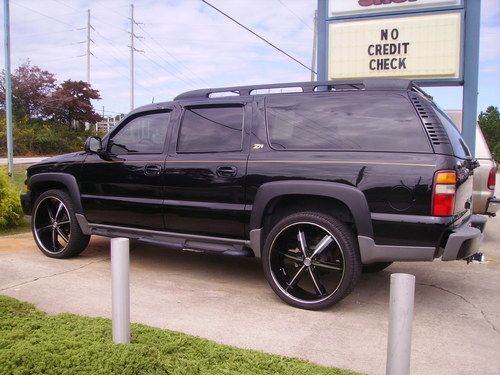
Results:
496 152
11 213
36 137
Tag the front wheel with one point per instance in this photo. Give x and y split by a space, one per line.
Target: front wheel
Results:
54 226
311 260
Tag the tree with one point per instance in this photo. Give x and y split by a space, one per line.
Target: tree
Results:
489 121
31 86
71 102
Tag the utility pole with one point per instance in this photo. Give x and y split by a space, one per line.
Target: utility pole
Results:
88 46
131 57
132 50
8 90
315 40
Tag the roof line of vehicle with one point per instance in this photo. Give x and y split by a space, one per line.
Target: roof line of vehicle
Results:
308 86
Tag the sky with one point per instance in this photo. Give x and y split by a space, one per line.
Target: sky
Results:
185 45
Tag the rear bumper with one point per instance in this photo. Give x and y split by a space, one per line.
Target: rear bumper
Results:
462 242
493 206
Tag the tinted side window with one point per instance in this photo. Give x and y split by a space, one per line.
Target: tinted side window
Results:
143 134
345 121
460 149
211 129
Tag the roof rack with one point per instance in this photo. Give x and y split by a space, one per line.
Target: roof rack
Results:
335 85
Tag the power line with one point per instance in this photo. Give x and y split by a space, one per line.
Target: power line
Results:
113 69
172 56
258 36
43 14
168 63
295 14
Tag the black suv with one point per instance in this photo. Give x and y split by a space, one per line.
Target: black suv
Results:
319 179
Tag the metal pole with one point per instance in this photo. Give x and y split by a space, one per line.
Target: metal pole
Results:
88 46
131 57
8 90
322 40
402 298
315 41
120 260
471 67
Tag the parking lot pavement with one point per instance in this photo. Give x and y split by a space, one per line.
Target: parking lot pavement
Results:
456 328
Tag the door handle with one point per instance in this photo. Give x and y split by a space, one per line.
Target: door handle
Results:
152 170
226 171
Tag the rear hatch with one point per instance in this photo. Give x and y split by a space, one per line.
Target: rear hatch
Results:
447 142
464 165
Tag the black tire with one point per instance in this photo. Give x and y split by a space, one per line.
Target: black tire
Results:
54 226
375 267
332 264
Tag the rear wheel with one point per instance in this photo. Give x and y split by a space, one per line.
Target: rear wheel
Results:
311 260
54 226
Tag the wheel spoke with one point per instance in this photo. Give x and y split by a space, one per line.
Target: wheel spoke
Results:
54 239
39 230
61 233
317 282
322 245
59 209
329 266
296 278
292 256
63 222
51 214
302 242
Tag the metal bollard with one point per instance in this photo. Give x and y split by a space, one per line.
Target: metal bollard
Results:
120 260
402 298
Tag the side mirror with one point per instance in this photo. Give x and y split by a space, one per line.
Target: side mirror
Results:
93 145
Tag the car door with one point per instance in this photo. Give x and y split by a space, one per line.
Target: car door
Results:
206 168
123 185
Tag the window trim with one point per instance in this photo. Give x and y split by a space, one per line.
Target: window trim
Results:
132 117
322 93
211 105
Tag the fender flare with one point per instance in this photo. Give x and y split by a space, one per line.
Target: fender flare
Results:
69 181
352 197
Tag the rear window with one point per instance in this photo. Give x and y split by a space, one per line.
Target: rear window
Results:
344 121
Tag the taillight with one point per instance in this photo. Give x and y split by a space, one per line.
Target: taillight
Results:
492 178
443 194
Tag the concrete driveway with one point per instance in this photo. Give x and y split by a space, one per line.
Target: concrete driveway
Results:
456 327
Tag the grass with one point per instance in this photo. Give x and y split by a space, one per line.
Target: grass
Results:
32 342
19 175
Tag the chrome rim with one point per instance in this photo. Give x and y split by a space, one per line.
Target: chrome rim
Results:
306 262
52 225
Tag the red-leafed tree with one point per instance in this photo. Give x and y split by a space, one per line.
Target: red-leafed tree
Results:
71 101
31 86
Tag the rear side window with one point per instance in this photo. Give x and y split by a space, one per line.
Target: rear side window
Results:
460 149
346 121
211 129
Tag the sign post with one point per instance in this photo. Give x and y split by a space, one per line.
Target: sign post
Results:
433 42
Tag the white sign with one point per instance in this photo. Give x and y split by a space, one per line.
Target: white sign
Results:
410 47
354 7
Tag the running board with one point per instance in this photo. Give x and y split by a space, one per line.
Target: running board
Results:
178 241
